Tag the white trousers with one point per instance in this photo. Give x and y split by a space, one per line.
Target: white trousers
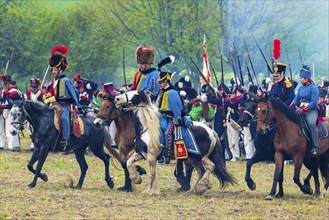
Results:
233 140
2 132
12 141
248 143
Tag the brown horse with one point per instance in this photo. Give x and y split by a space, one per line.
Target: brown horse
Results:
290 141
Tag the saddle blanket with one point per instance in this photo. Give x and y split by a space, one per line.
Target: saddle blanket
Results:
322 132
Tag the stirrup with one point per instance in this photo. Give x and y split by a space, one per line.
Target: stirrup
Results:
63 142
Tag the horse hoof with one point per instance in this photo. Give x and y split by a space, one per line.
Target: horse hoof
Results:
77 187
31 186
126 189
183 189
44 177
252 185
151 192
269 197
279 196
310 191
110 184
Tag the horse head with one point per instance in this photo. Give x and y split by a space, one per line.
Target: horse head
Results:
249 114
132 99
265 116
107 111
17 117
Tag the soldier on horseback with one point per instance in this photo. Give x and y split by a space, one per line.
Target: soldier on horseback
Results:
306 100
62 90
146 77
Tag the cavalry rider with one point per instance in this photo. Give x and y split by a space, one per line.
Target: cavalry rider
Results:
62 90
306 101
172 112
281 87
11 93
146 77
35 93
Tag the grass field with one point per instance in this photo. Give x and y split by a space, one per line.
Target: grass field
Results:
56 200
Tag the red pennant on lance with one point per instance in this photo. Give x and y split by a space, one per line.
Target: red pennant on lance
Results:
180 149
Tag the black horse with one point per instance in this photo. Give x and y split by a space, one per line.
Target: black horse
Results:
45 137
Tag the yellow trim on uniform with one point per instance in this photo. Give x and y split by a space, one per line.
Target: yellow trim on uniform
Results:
305 70
141 77
165 99
288 84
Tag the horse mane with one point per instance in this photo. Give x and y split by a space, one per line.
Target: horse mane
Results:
36 106
291 114
152 117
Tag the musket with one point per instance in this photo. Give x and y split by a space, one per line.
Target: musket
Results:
249 74
44 77
202 76
249 57
213 69
289 66
240 70
123 66
236 80
11 57
222 69
300 57
260 49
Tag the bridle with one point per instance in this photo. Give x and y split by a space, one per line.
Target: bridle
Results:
270 124
108 118
18 124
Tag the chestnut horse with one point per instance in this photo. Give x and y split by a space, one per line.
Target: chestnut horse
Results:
289 140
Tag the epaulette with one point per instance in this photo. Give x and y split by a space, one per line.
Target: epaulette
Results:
196 104
288 84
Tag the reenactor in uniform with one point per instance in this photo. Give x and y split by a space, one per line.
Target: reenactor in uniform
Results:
62 90
281 87
171 108
146 77
11 93
323 92
233 129
306 101
2 120
35 93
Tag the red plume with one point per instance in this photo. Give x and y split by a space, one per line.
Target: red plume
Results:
78 75
276 49
60 49
102 83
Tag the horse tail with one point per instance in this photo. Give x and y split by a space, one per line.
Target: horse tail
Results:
220 166
324 169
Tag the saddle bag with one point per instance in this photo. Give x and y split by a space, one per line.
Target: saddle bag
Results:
179 145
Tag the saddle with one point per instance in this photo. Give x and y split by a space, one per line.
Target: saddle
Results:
77 123
322 130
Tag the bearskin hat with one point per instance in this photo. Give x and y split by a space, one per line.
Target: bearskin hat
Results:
323 92
191 93
145 55
57 58
253 89
6 79
326 83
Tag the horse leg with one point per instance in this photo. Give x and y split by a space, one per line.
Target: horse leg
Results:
297 168
280 193
315 167
133 174
200 170
154 188
278 169
203 184
99 152
184 181
80 157
250 182
34 158
127 186
42 157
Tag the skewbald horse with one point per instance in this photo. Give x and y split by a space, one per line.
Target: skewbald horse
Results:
290 140
211 159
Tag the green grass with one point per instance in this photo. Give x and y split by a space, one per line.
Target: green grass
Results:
56 200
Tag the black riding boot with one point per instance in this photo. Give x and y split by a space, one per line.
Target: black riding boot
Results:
165 159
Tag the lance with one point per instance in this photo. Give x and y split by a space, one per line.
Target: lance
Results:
44 77
123 66
236 80
213 70
289 66
222 69
202 76
11 57
300 57
249 57
261 51
249 74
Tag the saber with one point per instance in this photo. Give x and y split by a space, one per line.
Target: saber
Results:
123 66
44 77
